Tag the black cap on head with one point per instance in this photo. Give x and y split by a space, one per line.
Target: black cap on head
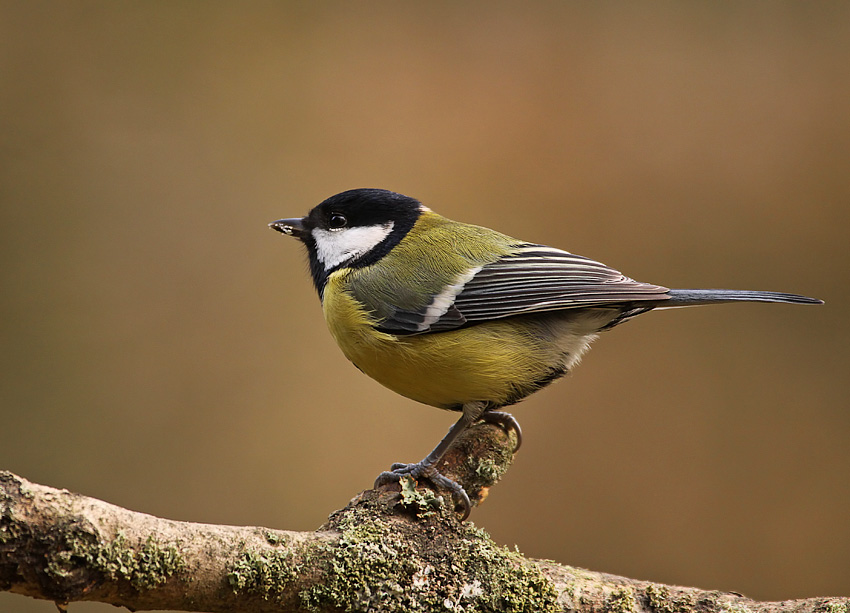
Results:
355 208
366 207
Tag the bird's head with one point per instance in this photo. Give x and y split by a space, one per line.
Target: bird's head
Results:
352 229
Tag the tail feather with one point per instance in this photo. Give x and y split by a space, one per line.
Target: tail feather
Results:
688 297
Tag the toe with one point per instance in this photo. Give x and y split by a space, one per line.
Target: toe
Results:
507 421
419 471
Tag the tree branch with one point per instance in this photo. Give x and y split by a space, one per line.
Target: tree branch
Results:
397 549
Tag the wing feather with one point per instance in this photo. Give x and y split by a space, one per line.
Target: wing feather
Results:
533 279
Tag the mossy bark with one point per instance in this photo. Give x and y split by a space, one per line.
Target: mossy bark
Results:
398 549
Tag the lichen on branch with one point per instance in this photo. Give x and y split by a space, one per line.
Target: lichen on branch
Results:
396 549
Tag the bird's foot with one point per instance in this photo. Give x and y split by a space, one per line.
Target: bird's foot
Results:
422 470
506 421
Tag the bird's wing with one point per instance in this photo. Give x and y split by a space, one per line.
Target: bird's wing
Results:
532 279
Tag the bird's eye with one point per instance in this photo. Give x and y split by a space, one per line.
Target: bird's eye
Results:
337 221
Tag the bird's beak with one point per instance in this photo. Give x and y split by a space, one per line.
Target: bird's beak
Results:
290 227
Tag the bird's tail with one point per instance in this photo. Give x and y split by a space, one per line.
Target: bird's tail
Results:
689 297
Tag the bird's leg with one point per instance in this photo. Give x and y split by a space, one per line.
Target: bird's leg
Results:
506 421
425 469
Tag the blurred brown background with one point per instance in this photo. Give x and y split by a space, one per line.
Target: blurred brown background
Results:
165 351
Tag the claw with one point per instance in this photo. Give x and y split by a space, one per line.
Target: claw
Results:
471 412
427 472
507 422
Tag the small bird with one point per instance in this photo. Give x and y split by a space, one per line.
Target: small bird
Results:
461 317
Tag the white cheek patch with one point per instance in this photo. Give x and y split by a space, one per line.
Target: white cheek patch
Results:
333 247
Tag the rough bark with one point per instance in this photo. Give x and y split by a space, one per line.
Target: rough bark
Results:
398 549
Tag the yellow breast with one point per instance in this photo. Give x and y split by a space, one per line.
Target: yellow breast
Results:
498 362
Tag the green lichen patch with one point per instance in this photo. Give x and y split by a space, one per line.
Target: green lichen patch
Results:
421 502
622 600
836 607
273 538
361 571
267 574
397 563
512 582
144 568
484 467
490 471
661 600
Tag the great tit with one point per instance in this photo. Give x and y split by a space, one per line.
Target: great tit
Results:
462 317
